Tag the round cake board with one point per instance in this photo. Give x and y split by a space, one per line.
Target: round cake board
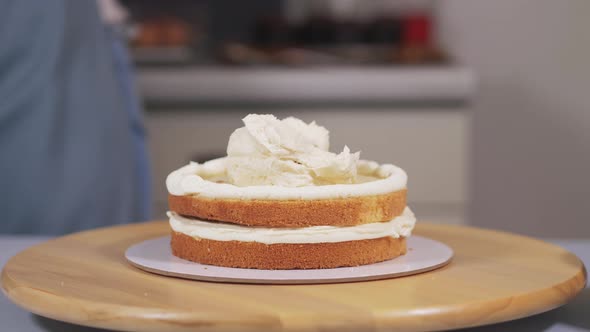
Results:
85 279
155 256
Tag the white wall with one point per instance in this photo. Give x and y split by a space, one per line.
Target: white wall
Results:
531 166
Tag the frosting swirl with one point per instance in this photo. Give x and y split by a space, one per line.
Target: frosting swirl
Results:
287 153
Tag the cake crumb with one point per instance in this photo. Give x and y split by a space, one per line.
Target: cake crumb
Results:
145 294
62 284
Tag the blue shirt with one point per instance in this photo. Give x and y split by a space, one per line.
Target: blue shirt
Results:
72 152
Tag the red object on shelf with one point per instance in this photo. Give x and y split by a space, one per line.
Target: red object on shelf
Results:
416 29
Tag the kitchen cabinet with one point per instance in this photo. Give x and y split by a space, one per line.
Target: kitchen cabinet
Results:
426 134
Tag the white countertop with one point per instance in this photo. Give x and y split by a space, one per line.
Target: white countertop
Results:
572 317
310 84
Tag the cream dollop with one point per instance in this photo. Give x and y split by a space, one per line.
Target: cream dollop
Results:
400 226
286 153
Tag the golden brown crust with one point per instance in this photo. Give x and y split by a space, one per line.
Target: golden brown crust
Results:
254 255
293 213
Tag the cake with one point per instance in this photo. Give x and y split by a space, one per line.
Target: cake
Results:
281 200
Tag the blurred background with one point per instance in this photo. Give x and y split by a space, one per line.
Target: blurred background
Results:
484 103
373 72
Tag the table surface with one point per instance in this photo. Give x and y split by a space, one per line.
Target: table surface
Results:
571 317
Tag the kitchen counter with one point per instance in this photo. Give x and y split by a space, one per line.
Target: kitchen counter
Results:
571 317
370 84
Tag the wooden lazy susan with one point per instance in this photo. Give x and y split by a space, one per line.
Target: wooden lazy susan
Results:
85 279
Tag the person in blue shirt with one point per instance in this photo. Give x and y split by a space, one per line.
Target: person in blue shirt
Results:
72 143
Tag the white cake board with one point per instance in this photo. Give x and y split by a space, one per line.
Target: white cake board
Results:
156 256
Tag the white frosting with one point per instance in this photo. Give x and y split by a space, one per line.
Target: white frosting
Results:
199 179
287 153
399 226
